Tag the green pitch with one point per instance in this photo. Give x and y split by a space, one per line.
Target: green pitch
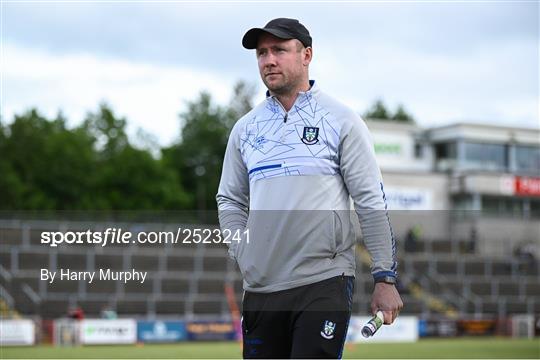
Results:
470 348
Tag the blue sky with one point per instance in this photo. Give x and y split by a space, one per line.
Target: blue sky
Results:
445 61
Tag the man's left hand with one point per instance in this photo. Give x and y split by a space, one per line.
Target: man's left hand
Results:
386 299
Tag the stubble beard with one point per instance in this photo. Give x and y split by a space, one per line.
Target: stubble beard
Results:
282 88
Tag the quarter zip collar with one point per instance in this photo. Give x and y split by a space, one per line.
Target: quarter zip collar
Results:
302 97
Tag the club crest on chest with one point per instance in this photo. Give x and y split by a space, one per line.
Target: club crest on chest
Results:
310 135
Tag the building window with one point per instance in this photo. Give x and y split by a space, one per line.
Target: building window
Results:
445 151
463 202
528 159
510 207
490 205
418 151
534 208
445 156
481 156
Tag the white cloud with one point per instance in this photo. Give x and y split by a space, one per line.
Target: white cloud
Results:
491 84
149 96
71 57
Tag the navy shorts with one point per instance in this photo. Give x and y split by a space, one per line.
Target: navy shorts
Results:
309 321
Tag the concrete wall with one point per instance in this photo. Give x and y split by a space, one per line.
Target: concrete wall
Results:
498 236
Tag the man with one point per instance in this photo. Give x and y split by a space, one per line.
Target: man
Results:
290 168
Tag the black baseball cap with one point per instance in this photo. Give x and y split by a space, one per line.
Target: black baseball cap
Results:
282 28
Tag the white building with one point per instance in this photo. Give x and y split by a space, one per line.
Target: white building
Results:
462 177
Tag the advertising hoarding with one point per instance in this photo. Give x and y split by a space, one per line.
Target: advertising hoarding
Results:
161 331
210 330
17 332
101 331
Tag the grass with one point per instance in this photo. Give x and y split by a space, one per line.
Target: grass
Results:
463 348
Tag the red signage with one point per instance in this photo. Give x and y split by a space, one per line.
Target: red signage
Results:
527 186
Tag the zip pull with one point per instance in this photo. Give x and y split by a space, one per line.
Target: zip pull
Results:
285 118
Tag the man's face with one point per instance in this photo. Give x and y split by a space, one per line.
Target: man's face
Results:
282 63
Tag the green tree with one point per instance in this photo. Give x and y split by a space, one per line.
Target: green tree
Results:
197 158
133 180
129 178
46 164
108 130
402 116
377 111
11 187
199 154
241 102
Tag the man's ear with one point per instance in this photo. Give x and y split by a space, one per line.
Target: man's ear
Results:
308 55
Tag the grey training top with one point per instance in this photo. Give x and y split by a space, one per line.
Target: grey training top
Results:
289 178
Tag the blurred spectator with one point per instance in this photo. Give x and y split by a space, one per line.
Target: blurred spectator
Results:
412 239
107 313
525 253
473 237
76 314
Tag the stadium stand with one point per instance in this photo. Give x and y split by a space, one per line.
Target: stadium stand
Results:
188 281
